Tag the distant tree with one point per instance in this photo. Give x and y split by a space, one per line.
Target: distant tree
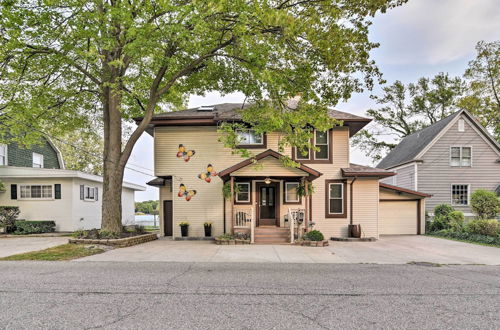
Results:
483 77
82 151
406 109
147 207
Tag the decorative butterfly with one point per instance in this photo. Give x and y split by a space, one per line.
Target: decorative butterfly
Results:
209 172
183 153
183 192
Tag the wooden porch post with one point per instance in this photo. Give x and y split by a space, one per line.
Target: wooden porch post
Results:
306 204
232 205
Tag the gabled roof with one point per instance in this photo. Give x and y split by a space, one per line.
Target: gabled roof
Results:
313 174
232 112
403 190
355 170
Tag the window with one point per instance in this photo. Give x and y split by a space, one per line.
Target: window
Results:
243 192
250 137
291 192
336 197
36 191
321 142
90 193
37 160
461 156
461 125
3 154
460 194
302 154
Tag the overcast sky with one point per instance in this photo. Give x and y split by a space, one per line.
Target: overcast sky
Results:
418 39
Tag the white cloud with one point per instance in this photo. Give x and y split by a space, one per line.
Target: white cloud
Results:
434 32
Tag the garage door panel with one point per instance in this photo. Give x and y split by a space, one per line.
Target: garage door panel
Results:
398 218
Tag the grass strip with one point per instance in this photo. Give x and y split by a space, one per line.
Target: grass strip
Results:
57 253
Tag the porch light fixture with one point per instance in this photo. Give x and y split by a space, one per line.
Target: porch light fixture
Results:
267 180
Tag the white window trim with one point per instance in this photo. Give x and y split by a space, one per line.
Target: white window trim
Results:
330 196
250 144
6 148
85 198
327 146
34 198
468 194
33 160
249 192
471 155
286 192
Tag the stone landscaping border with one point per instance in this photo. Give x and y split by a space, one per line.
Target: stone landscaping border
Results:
116 242
193 239
352 239
312 243
231 241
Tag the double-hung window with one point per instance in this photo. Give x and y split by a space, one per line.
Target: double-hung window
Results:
321 140
3 154
461 156
242 192
335 204
291 192
36 192
90 193
37 160
250 137
460 194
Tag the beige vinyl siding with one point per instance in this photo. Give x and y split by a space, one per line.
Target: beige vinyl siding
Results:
435 175
268 166
398 218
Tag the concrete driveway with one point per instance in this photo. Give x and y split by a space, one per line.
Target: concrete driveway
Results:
388 250
16 245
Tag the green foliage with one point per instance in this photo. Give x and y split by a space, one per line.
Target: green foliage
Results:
226 190
183 224
483 227
147 207
485 204
443 210
303 191
314 235
2 186
207 224
82 150
225 237
8 215
34 227
469 237
108 234
456 220
445 217
57 253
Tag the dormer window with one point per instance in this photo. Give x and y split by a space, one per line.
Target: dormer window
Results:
3 154
250 137
461 156
37 160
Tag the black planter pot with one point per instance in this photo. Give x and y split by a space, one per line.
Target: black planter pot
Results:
208 231
184 231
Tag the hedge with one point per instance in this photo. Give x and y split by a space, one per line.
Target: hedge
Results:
468 236
34 227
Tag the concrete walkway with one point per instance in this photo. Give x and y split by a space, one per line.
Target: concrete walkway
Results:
388 250
10 246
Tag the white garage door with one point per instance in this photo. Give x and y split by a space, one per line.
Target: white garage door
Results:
398 218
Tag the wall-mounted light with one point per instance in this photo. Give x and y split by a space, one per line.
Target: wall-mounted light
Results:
267 180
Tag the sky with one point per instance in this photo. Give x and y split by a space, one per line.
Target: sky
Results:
418 39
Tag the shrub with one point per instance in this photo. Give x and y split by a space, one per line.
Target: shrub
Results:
225 237
478 238
438 223
485 204
456 220
314 235
8 215
443 210
34 227
484 227
108 234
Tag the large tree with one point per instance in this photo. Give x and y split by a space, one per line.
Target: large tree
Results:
62 61
405 109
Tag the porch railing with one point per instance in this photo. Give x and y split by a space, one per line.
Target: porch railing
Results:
245 218
296 219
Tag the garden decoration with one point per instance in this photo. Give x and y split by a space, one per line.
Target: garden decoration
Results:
182 152
207 174
184 192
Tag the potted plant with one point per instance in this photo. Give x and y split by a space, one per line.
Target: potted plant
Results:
184 228
208 229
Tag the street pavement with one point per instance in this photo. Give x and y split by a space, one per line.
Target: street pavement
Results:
167 295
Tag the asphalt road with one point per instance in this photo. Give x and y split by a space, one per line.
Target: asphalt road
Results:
93 295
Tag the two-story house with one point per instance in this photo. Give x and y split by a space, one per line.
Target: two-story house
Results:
193 168
449 160
36 181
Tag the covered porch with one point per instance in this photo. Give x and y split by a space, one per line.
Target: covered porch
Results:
269 202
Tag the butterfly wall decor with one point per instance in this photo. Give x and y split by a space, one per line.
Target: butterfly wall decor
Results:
207 174
182 152
184 192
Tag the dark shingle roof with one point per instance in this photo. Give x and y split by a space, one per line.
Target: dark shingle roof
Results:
362 170
413 144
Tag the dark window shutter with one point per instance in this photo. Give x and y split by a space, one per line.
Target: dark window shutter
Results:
57 191
13 191
96 194
82 191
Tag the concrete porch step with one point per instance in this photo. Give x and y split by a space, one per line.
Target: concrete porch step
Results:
272 235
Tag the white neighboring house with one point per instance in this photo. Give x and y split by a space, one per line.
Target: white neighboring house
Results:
72 199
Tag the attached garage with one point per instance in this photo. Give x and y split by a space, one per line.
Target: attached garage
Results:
401 211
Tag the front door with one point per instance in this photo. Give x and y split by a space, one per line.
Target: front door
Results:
267 199
167 217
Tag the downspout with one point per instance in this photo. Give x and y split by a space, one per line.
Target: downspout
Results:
351 198
224 212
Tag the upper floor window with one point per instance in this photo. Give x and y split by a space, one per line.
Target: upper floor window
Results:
461 156
321 141
250 137
36 191
37 160
3 154
460 194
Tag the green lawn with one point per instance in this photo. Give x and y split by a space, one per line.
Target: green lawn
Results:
57 253
464 240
